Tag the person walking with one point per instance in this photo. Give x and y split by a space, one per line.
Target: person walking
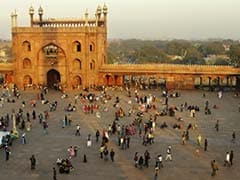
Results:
205 144
214 166
156 171
33 162
112 154
159 162
169 153
54 174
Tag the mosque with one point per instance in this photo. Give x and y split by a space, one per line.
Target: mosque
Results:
72 53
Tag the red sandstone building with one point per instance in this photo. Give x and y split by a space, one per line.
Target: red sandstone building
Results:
73 53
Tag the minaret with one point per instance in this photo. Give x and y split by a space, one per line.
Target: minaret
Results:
105 11
98 12
40 13
31 13
86 17
14 18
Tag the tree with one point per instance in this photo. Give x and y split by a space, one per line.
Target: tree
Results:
193 56
234 55
211 48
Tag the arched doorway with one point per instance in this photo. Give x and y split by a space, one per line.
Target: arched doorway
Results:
53 78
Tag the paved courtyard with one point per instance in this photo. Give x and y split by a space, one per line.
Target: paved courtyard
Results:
185 165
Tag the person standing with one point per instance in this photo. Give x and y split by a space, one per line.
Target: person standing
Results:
105 152
140 162
227 160
233 137
33 162
97 135
77 133
136 159
231 157
214 166
7 152
89 141
217 125
112 154
146 158
205 144
84 158
69 118
23 138
45 126
54 174
199 140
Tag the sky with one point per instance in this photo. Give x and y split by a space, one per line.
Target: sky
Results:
140 19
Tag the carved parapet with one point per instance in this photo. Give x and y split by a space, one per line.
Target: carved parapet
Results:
58 29
169 68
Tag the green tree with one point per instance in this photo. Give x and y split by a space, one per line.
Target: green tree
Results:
234 54
211 48
193 56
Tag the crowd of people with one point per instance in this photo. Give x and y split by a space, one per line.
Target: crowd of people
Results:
135 116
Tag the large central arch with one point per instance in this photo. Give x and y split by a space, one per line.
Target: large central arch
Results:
53 78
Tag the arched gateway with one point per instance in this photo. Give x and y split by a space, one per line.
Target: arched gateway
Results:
53 78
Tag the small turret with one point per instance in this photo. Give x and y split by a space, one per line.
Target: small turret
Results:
86 17
14 18
99 11
31 13
105 10
40 13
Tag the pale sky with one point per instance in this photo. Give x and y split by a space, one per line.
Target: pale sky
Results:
142 19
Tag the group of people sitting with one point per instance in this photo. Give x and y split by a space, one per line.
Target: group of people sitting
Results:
64 165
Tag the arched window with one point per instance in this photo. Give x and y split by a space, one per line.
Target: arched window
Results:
77 64
91 47
92 65
27 64
26 46
104 59
77 46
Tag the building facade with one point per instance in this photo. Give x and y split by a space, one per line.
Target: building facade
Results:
73 53
57 51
